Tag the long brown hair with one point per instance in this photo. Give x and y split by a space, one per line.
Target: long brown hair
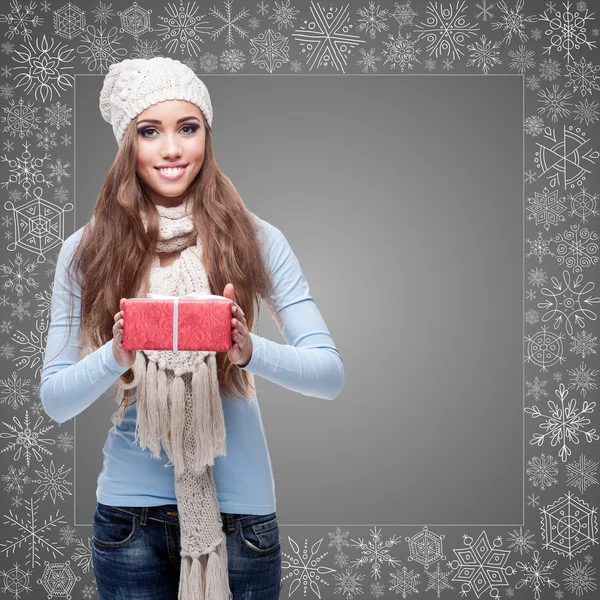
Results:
115 254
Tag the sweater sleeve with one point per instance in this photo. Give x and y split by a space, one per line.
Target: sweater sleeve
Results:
309 362
69 385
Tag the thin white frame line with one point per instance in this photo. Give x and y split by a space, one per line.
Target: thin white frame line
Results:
522 77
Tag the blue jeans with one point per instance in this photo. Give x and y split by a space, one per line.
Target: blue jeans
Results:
136 553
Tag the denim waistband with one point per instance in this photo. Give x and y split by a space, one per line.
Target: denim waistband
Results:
169 513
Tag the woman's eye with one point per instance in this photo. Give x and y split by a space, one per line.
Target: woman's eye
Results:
143 132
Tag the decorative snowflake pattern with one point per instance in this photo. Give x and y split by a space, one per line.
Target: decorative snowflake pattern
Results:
30 533
582 474
542 471
445 30
566 31
42 68
513 21
577 248
569 525
305 568
326 38
13 391
537 574
20 19
375 552
27 440
229 23
480 567
564 423
558 85
181 29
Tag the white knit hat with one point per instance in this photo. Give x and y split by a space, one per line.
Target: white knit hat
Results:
134 84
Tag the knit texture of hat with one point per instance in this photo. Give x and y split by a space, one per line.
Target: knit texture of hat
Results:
134 84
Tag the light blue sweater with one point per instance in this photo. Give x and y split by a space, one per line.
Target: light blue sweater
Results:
309 363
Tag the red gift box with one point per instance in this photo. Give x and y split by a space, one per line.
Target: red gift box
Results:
191 322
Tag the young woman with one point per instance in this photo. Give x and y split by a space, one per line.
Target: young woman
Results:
195 516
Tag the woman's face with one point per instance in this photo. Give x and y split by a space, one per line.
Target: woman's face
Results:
169 133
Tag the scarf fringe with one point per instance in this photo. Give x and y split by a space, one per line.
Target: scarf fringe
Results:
209 421
205 575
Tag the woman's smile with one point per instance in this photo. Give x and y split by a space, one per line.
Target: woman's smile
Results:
171 174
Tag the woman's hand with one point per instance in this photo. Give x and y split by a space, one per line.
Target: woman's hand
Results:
241 349
125 358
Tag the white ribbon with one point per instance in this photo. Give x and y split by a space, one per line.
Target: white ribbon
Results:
194 296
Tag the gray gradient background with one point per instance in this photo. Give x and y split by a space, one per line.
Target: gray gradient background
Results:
402 199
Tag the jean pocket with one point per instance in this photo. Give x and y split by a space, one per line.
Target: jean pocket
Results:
260 534
113 528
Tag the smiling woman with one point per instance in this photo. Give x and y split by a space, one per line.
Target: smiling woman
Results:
171 141
165 196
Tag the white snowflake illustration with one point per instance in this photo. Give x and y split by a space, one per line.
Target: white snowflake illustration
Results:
576 248
404 582
284 15
446 29
584 343
583 379
16 581
21 118
181 29
58 579
82 555
554 102
67 535
13 391
522 59
375 552
537 574
20 19
31 533
27 440
53 482
401 51
579 579
99 49
53 77
232 60
135 20
58 115
582 474
326 38
563 424
305 568
567 31
25 171
368 60
521 542
569 525
229 23
65 441
372 20
425 547
546 208
348 583
484 54
542 470
269 50
15 479
513 22
103 12
568 300
480 566
19 275
438 581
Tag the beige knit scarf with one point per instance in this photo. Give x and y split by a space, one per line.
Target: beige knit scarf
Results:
179 405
